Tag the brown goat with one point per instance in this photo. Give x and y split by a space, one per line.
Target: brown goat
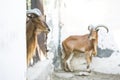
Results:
34 26
81 44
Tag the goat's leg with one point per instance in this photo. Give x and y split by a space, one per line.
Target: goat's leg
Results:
65 62
29 56
28 61
88 59
45 51
68 62
38 51
46 54
95 49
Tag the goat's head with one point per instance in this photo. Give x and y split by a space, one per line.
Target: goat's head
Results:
39 23
38 20
94 31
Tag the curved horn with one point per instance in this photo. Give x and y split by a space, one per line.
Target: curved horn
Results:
102 26
34 11
90 27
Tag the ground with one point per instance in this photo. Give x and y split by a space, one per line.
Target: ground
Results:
61 75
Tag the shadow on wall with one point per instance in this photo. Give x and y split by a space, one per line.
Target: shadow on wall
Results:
102 53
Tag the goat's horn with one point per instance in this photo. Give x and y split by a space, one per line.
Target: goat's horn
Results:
35 11
90 27
102 26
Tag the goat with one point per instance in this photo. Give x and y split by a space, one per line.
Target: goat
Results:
34 26
42 40
81 44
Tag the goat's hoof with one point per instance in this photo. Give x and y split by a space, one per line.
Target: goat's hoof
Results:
94 55
47 50
66 70
89 71
71 70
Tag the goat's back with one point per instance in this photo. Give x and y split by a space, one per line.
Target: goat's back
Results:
78 43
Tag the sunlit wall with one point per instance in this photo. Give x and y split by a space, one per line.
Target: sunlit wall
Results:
12 40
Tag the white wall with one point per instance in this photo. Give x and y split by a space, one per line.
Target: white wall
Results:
78 14
12 40
76 17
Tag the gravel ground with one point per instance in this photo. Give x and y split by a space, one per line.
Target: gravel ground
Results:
61 75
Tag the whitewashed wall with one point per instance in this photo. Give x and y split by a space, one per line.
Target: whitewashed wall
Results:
78 14
12 40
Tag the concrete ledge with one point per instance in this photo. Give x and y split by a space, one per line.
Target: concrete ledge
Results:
40 71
